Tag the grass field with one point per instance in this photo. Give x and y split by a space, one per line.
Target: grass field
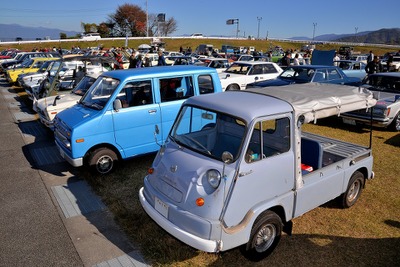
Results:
175 44
368 234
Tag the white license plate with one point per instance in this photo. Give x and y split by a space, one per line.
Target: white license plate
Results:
161 207
349 121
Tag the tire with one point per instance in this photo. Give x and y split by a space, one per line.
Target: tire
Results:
265 236
233 87
353 191
395 125
102 161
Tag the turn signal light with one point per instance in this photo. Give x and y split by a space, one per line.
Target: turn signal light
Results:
150 170
80 140
200 201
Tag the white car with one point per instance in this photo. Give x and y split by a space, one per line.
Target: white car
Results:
92 36
220 64
240 73
48 107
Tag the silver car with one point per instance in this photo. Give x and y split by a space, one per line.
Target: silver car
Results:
386 112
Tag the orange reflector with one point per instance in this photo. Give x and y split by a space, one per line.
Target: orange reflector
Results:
150 170
54 112
200 201
80 140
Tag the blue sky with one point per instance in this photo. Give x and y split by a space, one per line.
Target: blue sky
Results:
277 19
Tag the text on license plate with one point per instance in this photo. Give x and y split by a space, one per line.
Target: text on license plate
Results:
161 207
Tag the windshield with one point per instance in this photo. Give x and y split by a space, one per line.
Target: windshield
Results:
44 67
99 93
83 85
298 74
238 69
27 63
208 132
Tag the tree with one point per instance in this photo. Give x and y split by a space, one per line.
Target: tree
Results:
104 30
89 27
169 26
128 18
63 35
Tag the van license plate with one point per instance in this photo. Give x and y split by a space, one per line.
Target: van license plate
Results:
161 207
348 121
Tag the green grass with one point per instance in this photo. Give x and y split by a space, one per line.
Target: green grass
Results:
368 234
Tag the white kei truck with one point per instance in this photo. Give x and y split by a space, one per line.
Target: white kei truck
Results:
237 168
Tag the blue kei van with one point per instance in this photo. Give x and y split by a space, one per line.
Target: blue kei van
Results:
127 113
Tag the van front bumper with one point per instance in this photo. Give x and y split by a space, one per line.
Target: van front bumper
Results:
74 162
188 238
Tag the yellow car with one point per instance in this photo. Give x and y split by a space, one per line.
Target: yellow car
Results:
31 65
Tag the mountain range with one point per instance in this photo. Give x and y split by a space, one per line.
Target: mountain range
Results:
8 32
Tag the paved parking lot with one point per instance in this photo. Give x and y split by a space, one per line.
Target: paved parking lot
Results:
49 214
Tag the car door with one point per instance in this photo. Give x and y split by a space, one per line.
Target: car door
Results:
134 123
265 173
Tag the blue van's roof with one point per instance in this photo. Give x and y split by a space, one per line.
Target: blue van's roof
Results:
156 71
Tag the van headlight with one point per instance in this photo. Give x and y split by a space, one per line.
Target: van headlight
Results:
213 178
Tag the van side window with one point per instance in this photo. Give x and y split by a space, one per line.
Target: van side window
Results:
176 88
269 138
206 85
136 94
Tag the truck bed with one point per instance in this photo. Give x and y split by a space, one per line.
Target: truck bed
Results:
326 151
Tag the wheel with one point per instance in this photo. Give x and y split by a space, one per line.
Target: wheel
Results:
395 125
353 192
233 87
265 236
102 160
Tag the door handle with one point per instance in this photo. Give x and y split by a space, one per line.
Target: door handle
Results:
151 111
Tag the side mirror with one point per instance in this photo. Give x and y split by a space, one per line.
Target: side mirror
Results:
117 105
227 157
300 121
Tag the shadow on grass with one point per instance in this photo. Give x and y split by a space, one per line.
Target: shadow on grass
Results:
394 141
322 250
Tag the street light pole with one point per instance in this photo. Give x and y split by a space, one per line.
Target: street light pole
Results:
147 20
313 36
258 31
356 29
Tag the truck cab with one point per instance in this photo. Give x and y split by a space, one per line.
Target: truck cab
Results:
117 117
237 167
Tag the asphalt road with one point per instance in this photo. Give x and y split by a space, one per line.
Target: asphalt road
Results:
48 214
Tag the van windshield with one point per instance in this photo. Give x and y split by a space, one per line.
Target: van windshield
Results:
208 132
99 93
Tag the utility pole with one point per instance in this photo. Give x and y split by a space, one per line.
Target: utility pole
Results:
147 20
259 19
313 36
355 38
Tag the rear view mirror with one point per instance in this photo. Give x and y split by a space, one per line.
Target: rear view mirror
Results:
117 105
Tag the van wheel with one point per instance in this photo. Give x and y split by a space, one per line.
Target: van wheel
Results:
265 236
103 160
353 192
233 87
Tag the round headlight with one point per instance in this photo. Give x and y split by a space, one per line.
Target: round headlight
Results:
213 178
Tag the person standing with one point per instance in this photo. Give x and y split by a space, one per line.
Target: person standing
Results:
296 60
336 59
370 57
161 59
373 66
